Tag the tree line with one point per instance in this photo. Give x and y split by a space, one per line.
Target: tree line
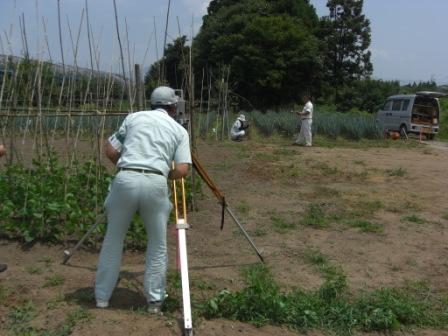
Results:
271 52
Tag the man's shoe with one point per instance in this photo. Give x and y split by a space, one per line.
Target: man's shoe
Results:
155 307
3 267
102 304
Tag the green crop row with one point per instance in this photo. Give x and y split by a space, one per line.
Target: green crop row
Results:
330 124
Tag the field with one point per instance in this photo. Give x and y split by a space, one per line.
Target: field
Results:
371 212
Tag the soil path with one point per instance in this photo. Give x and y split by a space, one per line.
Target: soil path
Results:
400 191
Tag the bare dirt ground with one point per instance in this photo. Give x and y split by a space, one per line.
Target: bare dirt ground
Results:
400 191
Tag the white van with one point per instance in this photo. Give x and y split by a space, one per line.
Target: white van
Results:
412 113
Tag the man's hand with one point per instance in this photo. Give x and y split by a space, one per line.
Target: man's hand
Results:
112 154
2 150
179 171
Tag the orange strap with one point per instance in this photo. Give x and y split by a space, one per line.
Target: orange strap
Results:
203 174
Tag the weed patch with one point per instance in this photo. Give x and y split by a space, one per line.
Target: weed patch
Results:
259 232
32 269
4 293
243 207
413 219
325 168
366 207
19 317
54 280
322 264
284 152
315 217
264 156
73 318
365 226
280 224
329 308
399 172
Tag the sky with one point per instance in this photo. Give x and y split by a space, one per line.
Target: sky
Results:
408 36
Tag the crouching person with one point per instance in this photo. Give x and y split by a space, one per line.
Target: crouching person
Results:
143 150
239 128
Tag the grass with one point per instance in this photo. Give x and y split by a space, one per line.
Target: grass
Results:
264 156
315 257
404 206
413 219
280 224
321 263
284 152
19 318
33 269
365 226
56 301
325 168
292 170
75 317
328 142
54 280
315 217
47 260
4 293
259 232
366 208
331 308
243 207
399 172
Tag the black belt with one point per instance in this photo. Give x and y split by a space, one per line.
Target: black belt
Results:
142 171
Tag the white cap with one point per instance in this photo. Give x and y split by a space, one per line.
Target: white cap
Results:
242 117
164 96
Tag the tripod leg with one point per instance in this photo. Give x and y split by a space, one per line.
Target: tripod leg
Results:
68 254
246 235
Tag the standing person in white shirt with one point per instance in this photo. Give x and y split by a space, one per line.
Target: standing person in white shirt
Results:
305 135
143 150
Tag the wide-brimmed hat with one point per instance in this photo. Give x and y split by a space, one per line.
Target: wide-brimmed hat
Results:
242 117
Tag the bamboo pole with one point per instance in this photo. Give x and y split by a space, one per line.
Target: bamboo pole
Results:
120 46
60 35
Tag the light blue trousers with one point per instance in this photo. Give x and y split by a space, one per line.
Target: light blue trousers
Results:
148 194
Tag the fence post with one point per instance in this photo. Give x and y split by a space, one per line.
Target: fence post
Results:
138 86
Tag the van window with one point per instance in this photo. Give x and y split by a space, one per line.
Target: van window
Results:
387 105
396 106
405 105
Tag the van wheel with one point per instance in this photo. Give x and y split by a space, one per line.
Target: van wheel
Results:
404 131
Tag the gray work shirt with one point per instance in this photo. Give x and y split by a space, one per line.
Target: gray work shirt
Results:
151 140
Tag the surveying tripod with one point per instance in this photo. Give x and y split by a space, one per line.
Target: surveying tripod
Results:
206 178
181 227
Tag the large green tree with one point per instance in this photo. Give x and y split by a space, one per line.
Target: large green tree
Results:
269 47
171 69
345 33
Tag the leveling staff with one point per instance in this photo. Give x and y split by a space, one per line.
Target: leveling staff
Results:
143 149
